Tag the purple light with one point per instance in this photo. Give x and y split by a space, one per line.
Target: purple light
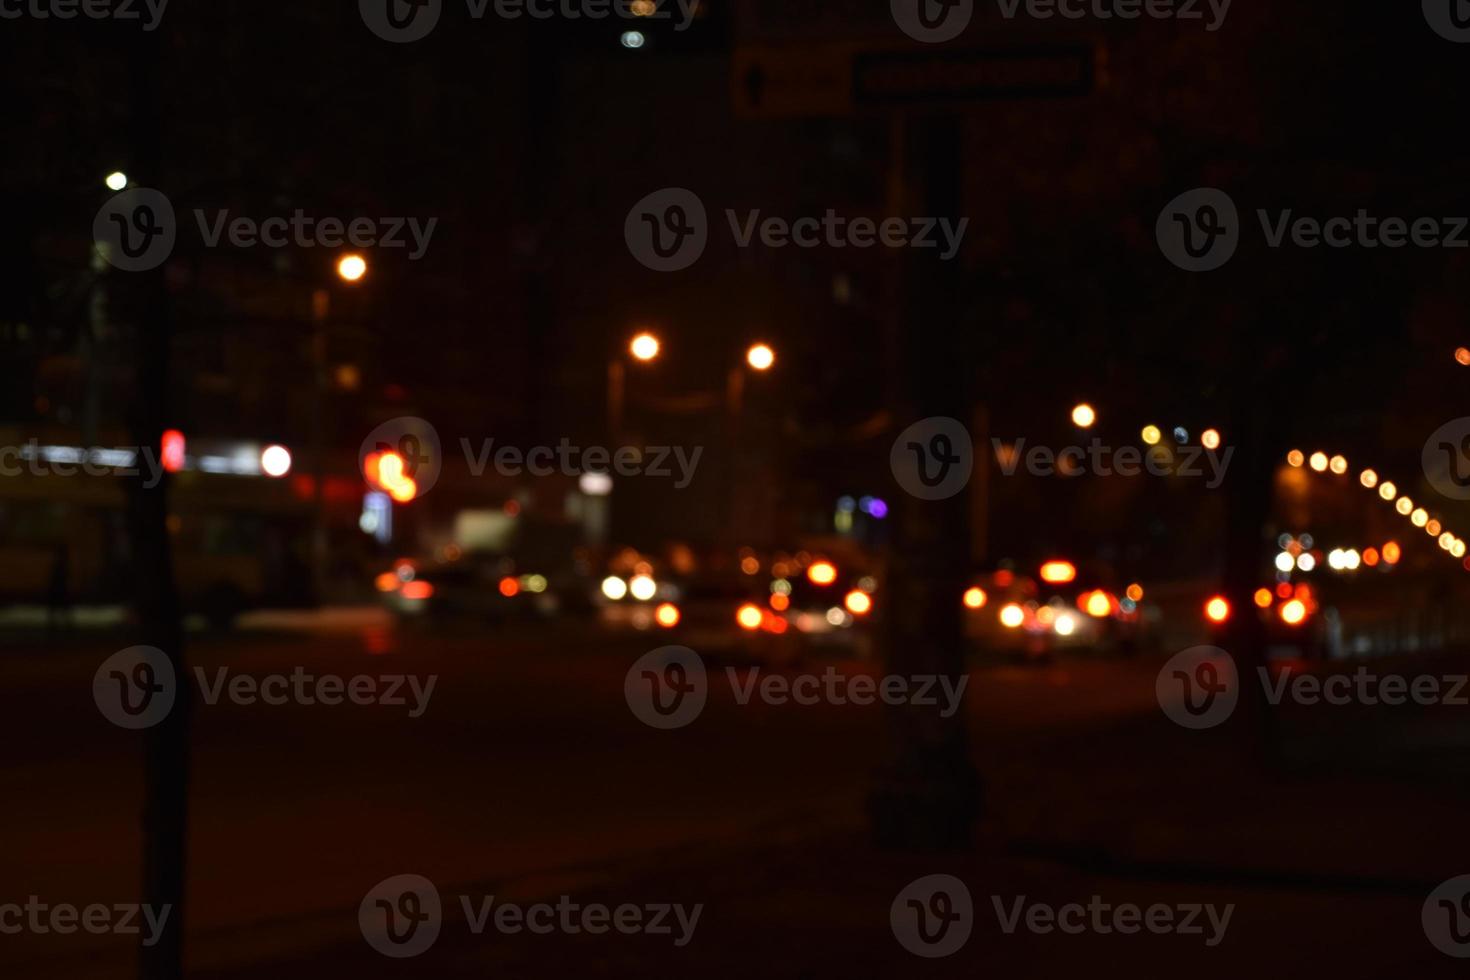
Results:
878 508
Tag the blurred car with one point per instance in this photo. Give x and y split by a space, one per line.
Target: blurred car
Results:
1017 615
472 586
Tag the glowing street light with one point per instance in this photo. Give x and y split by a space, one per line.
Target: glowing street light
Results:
117 180
1151 435
1083 416
644 347
760 357
1462 354
351 267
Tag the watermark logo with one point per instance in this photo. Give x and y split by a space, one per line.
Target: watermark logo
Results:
933 916
933 458
1450 19
401 21
667 230
1199 230
91 9
401 916
64 919
135 688
403 457
1105 10
1446 459
1446 917
136 229
1198 688
1104 918
932 21
667 688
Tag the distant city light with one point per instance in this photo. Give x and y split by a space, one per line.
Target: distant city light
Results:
614 588
1083 416
1217 610
1135 592
1058 572
1098 605
858 602
667 615
1065 625
1011 616
822 573
1387 490
1339 465
1392 553
1210 439
1285 561
1404 506
171 454
1295 457
974 597
643 587
1419 517
644 347
1462 354
1181 434
1264 598
632 40
1151 435
1369 479
1319 462
117 180
643 8
595 484
275 460
760 357
1306 561
749 617
351 267
1293 612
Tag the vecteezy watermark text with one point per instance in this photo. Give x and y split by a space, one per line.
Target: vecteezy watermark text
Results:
668 688
668 230
64 919
91 9
402 917
1102 460
570 460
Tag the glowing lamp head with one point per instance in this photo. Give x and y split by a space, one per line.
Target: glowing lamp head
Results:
858 602
644 347
1217 610
822 573
351 267
975 597
1083 416
666 615
749 616
760 357
1012 616
275 461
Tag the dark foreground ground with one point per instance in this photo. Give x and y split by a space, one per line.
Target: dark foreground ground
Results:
528 778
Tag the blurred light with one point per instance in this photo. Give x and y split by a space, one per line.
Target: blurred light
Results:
117 180
836 616
1263 598
1404 506
1058 572
1004 578
595 484
1181 434
1306 542
1283 591
877 508
1462 354
1065 625
275 460
666 615
780 602
1432 527
644 347
822 573
1392 553
1285 561
643 8
1447 541
1098 604
1305 561
750 565
1135 592
1369 479
760 357
509 587
533 583
1012 616
1387 490
1293 612
416 590
1339 465
868 584
385 469
172 455
614 588
846 505
1458 548
1295 457
1083 416
1151 435
387 582
1210 439
632 40
857 602
643 587
975 597
1370 557
781 587
748 616
1217 610
1335 559
1319 462
351 267
1351 559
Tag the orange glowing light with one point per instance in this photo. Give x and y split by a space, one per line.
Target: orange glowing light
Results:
975 597
172 455
386 471
822 573
666 615
1392 553
1295 458
1370 557
1058 572
417 589
1135 592
387 582
858 602
780 602
509 586
1284 590
750 565
1217 610
1293 612
1098 604
1263 598
748 616
1004 578
1012 616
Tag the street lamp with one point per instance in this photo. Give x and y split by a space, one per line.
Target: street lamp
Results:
351 267
1083 416
760 357
644 347
116 180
